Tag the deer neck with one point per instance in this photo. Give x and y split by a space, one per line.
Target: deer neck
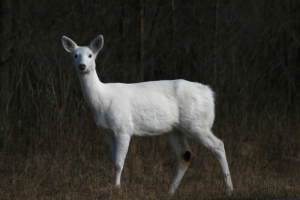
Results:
93 91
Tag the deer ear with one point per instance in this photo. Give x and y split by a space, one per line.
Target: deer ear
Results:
69 45
97 44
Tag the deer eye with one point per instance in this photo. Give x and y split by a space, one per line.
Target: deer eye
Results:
75 56
90 55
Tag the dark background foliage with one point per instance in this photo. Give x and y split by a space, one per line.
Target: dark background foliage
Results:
247 51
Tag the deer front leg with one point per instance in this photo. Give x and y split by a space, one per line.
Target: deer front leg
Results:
121 144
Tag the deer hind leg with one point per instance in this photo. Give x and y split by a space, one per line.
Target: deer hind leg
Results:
183 154
216 146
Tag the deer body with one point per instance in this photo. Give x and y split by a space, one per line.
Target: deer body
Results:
179 109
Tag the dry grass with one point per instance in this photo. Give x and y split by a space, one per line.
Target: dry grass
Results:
149 169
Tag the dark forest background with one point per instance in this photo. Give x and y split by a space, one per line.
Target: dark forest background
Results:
247 51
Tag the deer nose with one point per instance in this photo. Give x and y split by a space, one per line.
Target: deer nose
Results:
82 67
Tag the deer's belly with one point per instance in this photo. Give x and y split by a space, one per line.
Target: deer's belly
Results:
154 120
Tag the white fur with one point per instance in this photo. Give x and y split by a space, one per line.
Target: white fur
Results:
179 109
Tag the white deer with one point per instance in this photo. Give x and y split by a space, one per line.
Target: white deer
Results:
177 108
